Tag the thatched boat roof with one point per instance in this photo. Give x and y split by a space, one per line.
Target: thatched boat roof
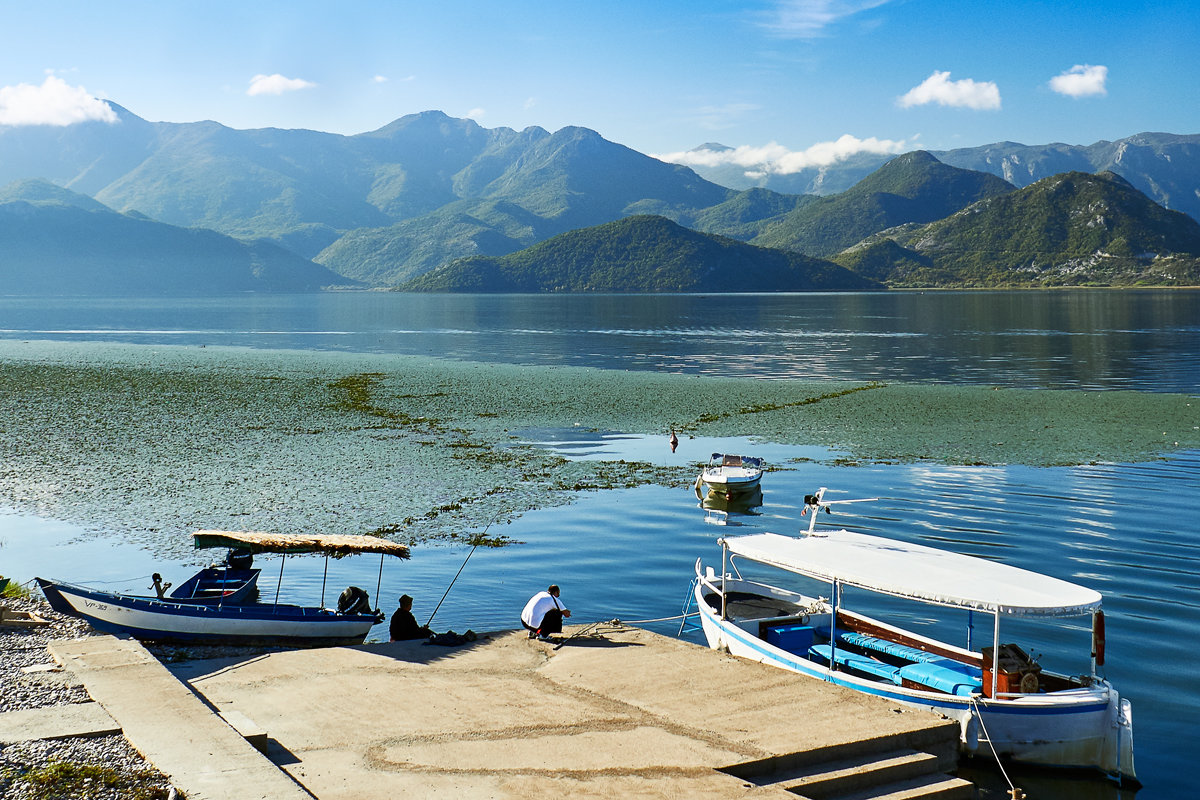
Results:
330 544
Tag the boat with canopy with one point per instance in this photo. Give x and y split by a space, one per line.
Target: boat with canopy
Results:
1003 700
172 620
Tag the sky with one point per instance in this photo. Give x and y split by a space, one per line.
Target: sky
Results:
787 84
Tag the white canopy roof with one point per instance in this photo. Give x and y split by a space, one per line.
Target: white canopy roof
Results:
918 572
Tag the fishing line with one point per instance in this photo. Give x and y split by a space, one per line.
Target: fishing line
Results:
478 540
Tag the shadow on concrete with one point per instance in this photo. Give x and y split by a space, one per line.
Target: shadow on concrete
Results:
419 651
597 640
279 755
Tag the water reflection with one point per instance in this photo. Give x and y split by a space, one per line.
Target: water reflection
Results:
1139 339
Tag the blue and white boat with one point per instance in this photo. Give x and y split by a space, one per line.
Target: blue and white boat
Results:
730 476
1005 703
171 619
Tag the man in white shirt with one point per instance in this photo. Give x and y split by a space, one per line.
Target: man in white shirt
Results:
543 614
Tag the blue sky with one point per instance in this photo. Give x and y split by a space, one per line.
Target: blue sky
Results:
787 82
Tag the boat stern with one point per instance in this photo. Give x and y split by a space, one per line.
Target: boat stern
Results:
1117 759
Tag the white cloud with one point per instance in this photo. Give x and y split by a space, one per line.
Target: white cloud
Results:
276 84
808 19
476 114
1081 80
52 103
965 93
775 159
530 102
380 79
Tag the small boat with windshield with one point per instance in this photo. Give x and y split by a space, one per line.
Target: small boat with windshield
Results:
233 580
1006 704
173 619
729 476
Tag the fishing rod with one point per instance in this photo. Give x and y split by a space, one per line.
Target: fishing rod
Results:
588 629
592 627
478 540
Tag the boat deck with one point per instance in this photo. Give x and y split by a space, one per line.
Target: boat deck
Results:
744 605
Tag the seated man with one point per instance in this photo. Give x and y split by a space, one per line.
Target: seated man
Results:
543 614
404 625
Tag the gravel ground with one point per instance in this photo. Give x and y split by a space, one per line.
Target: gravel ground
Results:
101 768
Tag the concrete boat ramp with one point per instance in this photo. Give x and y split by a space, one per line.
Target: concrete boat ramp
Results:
621 712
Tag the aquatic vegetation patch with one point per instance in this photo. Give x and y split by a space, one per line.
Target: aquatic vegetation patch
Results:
155 442
760 408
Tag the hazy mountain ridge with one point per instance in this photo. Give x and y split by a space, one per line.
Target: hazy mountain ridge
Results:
642 253
1164 166
914 187
57 242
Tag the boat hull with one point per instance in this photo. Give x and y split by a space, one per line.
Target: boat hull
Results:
731 481
151 619
1088 728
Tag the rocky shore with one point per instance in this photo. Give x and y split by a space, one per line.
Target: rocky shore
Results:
100 768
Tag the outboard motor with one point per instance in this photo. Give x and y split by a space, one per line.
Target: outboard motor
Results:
354 601
239 559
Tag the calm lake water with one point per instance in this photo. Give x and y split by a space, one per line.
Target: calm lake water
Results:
1131 531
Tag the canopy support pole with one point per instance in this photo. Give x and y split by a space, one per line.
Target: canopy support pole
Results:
834 600
724 572
379 581
970 627
996 655
282 561
324 575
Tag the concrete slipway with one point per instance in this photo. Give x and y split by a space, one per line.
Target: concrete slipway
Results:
622 713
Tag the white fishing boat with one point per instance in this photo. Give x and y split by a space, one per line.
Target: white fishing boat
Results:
1006 705
218 621
729 476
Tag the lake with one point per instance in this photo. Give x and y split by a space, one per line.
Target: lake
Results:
1128 530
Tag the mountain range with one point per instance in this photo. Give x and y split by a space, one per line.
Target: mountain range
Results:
384 207
1070 229
1164 166
642 253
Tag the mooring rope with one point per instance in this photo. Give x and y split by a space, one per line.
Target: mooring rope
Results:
1013 791
660 619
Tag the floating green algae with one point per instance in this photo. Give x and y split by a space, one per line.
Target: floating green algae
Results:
158 441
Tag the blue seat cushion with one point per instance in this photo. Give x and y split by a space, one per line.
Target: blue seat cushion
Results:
909 653
794 638
857 663
943 678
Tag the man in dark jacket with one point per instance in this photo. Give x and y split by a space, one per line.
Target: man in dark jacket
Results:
404 625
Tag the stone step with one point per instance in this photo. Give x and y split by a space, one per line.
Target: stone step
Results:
799 764
878 769
930 787
56 722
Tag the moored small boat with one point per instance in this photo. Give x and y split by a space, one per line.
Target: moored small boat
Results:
1002 699
220 622
729 476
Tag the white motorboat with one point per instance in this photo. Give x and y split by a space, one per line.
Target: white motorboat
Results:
1005 703
730 476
